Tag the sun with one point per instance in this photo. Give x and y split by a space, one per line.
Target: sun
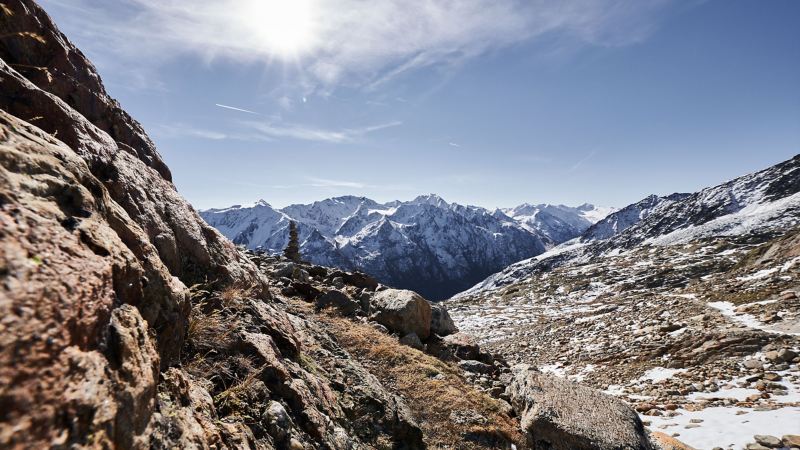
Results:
284 28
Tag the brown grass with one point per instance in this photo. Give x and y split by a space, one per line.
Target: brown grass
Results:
431 388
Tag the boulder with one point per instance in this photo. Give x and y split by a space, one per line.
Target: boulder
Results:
441 322
475 367
768 441
455 346
284 270
361 281
338 300
402 312
557 414
791 440
412 340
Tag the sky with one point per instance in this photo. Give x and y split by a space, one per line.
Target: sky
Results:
484 102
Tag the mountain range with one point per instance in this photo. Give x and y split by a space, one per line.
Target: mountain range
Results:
426 244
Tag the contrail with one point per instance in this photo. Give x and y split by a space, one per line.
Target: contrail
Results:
237 109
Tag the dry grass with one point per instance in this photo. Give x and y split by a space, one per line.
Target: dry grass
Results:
431 388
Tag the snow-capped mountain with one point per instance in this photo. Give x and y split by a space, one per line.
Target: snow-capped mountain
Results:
764 203
426 244
557 223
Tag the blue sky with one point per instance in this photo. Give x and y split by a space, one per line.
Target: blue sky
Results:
486 102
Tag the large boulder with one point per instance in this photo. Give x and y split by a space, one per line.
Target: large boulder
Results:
441 322
556 414
402 312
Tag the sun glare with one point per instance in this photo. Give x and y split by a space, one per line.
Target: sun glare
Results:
284 27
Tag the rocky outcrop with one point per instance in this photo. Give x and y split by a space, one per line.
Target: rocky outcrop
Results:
67 342
49 83
402 312
560 415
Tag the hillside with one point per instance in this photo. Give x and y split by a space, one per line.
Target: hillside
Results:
426 244
686 306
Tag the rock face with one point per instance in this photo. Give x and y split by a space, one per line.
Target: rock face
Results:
57 89
403 312
560 415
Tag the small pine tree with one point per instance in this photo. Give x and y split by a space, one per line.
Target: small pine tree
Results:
292 250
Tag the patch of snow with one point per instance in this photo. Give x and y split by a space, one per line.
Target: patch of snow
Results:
748 320
722 427
658 374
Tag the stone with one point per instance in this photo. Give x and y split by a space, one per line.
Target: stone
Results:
412 340
364 301
791 440
755 446
278 422
284 270
768 441
402 312
338 300
458 346
786 355
307 291
299 274
788 295
559 415
475 367
773 357
752 364
772 376
441 322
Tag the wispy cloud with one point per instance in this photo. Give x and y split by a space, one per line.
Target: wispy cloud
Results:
181 130
453 144
324 182
237 109
351 41
305 133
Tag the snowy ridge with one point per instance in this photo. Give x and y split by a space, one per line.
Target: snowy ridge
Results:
557 223
426 244
766 201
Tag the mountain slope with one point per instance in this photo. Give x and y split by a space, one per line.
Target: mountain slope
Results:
766 202
686 306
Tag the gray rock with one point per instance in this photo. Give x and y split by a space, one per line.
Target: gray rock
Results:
786 355
755 446
338 300
412 340
300 275
559 415
475 367
768 441
278 422
364 301
402 311
752 364
284 270
441 322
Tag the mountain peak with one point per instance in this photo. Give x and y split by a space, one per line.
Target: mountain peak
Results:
430 199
